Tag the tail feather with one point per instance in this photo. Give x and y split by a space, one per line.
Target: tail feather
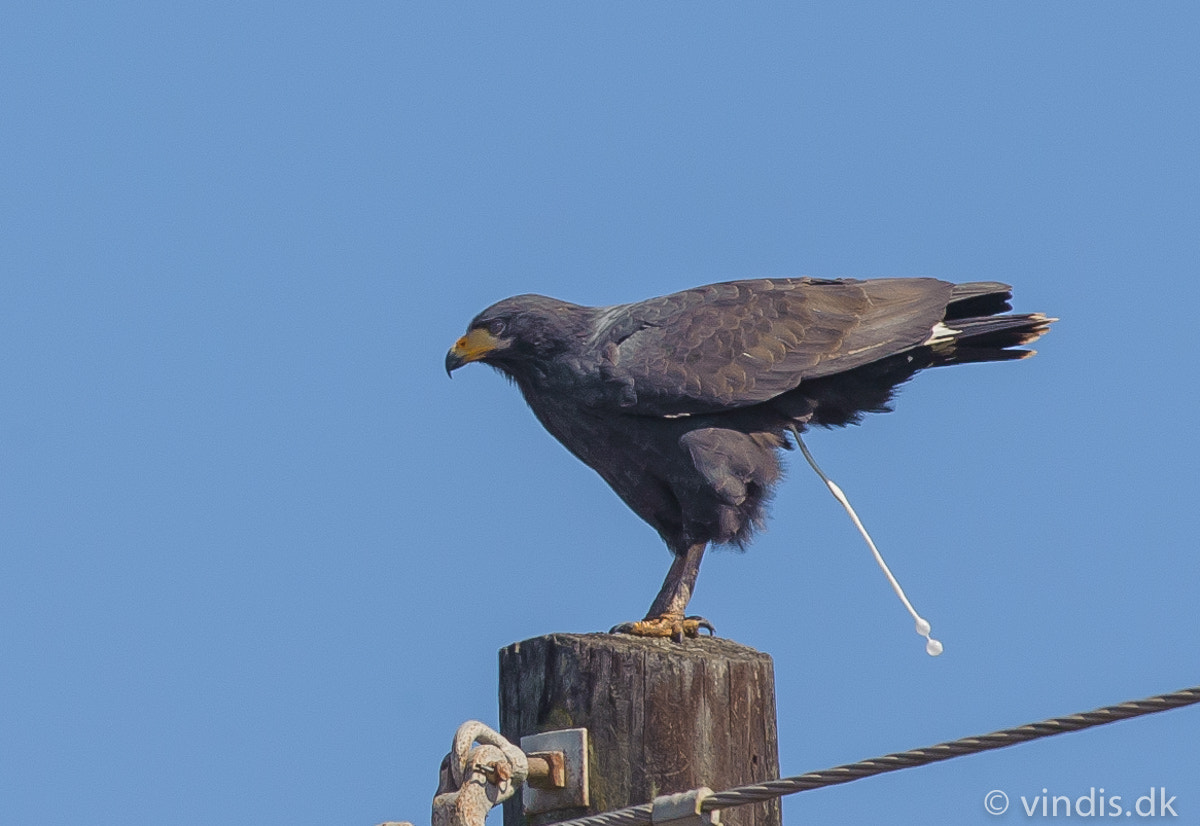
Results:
988 338
978 298
841 399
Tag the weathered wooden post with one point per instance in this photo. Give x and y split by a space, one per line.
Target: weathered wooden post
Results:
662 717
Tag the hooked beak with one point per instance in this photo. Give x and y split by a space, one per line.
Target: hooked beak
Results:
475 345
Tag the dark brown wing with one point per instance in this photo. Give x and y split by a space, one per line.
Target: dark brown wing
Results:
740 343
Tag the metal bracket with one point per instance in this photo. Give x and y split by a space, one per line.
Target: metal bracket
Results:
683 809
565 789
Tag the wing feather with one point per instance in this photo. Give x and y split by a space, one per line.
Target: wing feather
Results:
743 342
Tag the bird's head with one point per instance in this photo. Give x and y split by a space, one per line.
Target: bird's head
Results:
516 333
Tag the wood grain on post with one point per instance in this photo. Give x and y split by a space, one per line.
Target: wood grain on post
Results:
662 717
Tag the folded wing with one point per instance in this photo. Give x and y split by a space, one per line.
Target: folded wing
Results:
737 344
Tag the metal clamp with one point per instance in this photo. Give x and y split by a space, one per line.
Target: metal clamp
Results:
551 768
683 809
473 778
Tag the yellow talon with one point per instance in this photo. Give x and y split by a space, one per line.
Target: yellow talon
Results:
674 627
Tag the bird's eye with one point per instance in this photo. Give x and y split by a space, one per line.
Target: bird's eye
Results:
495 327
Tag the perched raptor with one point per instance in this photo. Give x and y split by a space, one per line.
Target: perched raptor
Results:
681 403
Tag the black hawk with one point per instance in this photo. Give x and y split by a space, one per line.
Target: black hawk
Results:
682 403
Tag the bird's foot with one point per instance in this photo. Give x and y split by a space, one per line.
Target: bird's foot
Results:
667 625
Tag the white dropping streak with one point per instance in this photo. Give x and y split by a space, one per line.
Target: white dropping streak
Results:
932 646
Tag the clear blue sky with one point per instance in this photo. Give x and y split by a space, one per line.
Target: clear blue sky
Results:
259 554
